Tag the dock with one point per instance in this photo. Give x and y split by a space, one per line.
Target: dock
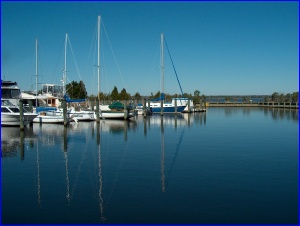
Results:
289 105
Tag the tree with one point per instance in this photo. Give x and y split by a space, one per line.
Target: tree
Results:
76 90
115 94
137 96
157 95
295 96
124 95
196 98
274 96
196 93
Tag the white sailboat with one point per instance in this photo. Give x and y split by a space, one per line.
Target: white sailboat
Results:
155 104
110 111
48 114
77 114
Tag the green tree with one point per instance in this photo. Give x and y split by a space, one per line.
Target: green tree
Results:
115 94
295 96
274 96
76 90
124 95
196 98
137 96
157 95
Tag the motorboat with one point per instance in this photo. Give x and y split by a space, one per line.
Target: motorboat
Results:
10 115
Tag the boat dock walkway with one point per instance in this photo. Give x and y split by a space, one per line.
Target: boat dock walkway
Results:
291 105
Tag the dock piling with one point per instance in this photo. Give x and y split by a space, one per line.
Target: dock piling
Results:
65 111
125 110
97 110
21 115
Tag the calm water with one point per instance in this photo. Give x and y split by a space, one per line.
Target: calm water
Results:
225 166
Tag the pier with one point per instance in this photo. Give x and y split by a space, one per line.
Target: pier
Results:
290 105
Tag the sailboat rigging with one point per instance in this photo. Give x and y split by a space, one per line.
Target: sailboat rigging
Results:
159 105
115 110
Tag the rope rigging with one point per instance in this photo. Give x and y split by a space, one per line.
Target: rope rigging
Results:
173 65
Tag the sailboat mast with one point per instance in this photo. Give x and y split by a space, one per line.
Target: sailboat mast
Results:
65 67
162 63
36 71
99 19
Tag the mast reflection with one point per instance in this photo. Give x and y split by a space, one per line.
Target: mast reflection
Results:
101 207
162 155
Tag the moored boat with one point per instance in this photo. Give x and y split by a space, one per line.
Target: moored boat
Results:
115 111
10 91
51 115
159 105
10 115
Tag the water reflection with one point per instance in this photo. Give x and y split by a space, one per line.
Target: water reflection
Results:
101 201
282 114
14 139
275 113
90 174
163 187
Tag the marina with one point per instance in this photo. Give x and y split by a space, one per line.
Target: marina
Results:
222 166
122 142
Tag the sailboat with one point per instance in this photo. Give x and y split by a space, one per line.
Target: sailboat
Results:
47 114
155 104
115 110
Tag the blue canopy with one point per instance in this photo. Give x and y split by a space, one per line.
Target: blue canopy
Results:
73 100
41 109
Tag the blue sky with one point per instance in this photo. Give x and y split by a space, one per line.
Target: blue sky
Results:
218 48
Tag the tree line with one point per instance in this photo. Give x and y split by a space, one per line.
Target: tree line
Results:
77 90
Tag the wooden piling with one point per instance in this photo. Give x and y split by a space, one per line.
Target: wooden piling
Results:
125 110
149 106
144 108
30 106
65 112
97 110
92 104
21 114
161 107
201 104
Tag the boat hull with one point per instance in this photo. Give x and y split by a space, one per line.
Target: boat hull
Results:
55 117
83 116
167 108
48 119
13 119
115 115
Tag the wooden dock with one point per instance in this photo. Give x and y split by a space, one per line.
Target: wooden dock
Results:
290 105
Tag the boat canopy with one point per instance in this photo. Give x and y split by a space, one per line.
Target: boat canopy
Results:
73 100
41 109
118 106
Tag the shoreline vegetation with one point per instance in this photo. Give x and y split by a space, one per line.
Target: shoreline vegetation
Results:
77 90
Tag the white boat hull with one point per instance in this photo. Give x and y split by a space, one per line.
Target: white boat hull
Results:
82 115
107 113
115 115
167 108
48 119
51 117
13 119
